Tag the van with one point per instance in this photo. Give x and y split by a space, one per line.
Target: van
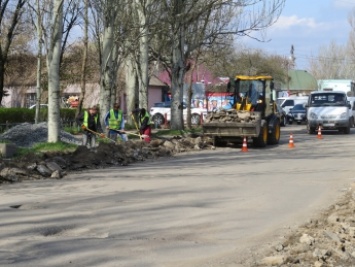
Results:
329 110
351 101
288 102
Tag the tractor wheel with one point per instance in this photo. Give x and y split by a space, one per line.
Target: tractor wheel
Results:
261 140
274 136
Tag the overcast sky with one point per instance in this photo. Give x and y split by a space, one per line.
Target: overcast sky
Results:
308 25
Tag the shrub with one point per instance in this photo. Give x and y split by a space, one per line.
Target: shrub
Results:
20 115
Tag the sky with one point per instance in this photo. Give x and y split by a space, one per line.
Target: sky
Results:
307 25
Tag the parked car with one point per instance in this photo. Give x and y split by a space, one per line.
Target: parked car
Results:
351 101
289 102
282 115
329 109
161 111
297 114
166 104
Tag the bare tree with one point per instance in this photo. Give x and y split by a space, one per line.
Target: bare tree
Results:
143 9
190 25
53 63
10 16
111 30
36 11
334 61
350 49
330 63
85 57
131 85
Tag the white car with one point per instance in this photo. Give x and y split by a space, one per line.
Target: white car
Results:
330 110
161 112
352 111
289 102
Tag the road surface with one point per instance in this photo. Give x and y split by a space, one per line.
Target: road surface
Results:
210 208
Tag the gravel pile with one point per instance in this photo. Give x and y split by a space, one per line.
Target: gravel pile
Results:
27 134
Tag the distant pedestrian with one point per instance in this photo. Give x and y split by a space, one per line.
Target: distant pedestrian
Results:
115 123
90 124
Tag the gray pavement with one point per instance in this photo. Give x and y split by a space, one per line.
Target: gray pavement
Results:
210 208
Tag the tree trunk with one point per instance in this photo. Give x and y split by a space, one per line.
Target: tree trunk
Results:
2 78
85 59
178 73
142 68
39 62
106 70
131 87
189 98
178 70
114 70
53 62
6 39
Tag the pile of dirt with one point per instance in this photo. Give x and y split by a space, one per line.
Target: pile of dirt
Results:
56 165
328 240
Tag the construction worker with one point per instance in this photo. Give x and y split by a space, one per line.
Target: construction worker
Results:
90 124
144 124
115 123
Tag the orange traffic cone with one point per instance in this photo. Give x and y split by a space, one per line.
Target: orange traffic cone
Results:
290 142
245 145
319 135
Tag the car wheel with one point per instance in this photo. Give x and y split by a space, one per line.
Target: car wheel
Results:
352 122
283 121
195 119
346 130
158 120
311 130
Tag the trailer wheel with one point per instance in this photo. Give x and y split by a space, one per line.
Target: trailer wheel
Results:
261 140
274 136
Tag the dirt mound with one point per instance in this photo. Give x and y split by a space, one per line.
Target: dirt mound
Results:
56 165
326 240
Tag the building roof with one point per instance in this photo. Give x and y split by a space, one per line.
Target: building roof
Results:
154 81
300 80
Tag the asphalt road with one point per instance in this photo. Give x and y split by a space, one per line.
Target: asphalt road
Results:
211 208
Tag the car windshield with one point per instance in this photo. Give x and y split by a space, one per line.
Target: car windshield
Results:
298 107
326 99
162 104
252 90
279 101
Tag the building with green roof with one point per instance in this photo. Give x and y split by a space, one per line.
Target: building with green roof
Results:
300 82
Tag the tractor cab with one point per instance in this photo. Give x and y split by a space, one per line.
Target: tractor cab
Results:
254 93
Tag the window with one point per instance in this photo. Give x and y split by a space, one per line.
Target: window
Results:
288 103
30 99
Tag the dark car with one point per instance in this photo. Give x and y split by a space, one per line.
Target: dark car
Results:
281 114
297 114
